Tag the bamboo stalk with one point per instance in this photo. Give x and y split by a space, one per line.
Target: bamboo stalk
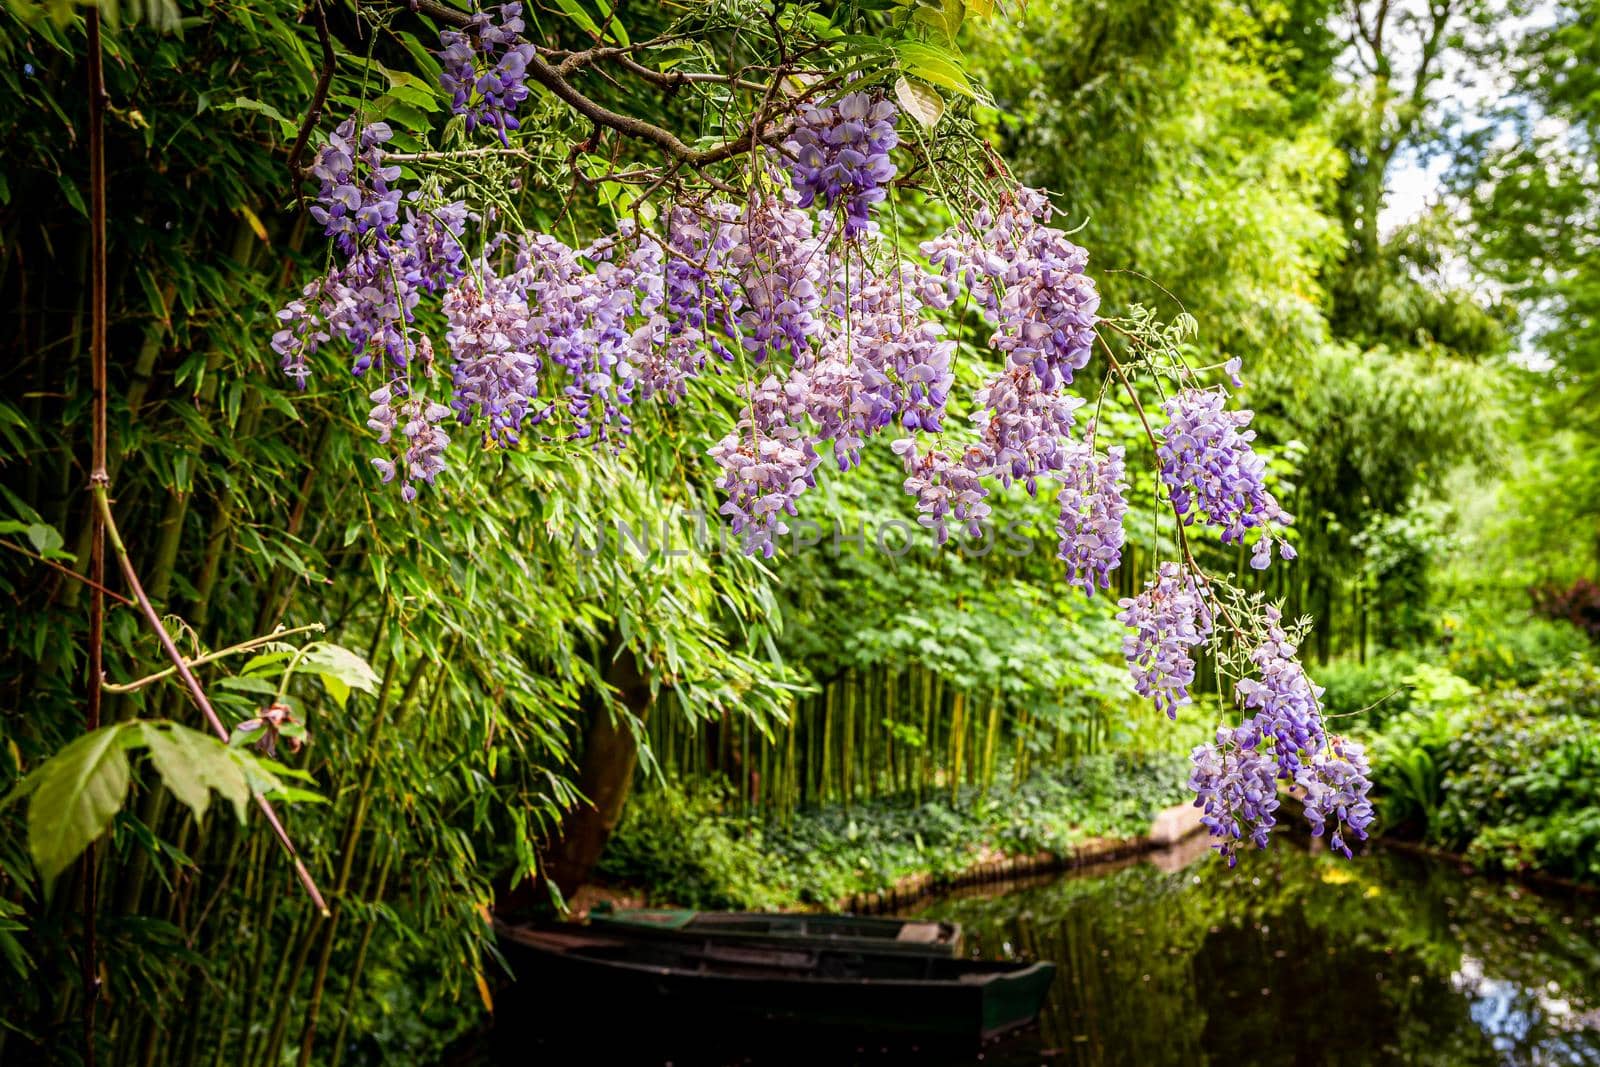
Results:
98 479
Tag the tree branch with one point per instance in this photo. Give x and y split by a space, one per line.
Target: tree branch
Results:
552 78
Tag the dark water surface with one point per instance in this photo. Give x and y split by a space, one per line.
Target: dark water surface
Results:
1296 959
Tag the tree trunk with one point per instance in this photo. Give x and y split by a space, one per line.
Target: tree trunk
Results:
610 756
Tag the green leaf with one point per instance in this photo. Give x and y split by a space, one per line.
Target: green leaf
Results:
208 765
69 189
577 14
340 670
249 684
244 103
80 790
919 100
938 67
171 762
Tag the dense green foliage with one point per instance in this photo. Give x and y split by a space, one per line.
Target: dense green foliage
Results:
1510 779
833 719
681 844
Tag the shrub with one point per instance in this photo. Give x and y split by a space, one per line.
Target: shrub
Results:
1491 650
677 839
1578 604
1511 779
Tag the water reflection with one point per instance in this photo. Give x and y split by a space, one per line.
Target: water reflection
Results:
1294 959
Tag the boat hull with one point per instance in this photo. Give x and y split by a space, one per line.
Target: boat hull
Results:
773 1005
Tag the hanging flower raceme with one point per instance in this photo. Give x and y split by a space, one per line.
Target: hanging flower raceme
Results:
1335 784
1167 622
781 270
418 420
1024 431
1092 508
1283 698
944 487
1212 473
1234 783
355 198
767 462
495 364
840 157
1029 279
484 68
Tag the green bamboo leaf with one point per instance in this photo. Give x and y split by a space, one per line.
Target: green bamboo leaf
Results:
80 790
577 14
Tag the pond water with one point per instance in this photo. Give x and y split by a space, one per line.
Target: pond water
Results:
1295 958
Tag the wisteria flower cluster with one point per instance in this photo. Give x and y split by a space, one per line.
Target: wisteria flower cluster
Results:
841 156
484 68
1236 778
837 340
1092 509
355 198
1211 472
1166 623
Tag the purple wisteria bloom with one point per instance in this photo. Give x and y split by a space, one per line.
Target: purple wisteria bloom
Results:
1028 278
841 157
1283 698
1212 473
1092 508
1336 783
1234 784
1167 622
485 69
355 198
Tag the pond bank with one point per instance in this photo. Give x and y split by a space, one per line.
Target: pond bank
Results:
1171 828
687 844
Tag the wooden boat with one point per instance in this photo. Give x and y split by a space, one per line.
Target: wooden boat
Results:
686 998
860 933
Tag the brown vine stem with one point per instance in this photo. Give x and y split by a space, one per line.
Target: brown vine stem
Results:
211 657
181 665
98 480
1183 536
319 97
541 71
66 571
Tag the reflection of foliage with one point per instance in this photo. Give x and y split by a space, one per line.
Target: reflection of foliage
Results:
1390 960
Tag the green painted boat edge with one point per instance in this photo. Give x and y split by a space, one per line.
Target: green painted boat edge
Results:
644 918
1016 1000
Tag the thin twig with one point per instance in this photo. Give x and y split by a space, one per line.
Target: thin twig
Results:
69 572
211 657
757 132
103 502
319 96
